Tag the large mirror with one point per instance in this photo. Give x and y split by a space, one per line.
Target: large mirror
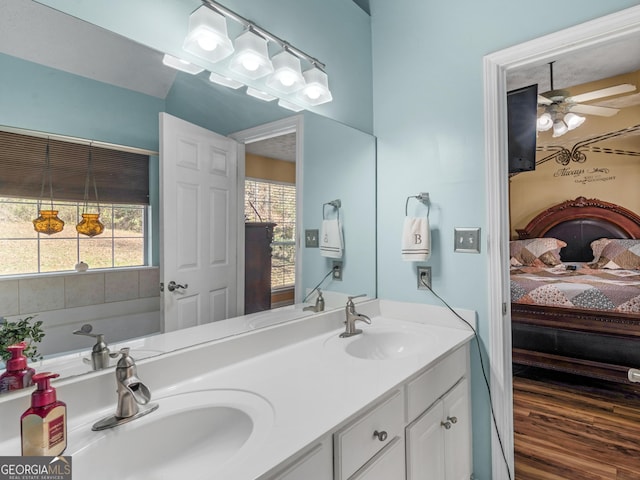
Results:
70 79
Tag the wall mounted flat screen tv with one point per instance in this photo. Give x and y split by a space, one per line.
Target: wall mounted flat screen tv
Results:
522 114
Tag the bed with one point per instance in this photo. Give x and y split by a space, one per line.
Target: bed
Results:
584 319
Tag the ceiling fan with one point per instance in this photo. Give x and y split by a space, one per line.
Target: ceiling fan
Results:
561 109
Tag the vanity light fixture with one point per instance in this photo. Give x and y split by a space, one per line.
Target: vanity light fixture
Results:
287 75
180 64
252 56
290 105
254 92
316 90
208 37
225 81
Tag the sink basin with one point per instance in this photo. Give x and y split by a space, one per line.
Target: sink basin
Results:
384 342
190 435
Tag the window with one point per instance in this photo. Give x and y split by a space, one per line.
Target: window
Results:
23 250
275 202
122 181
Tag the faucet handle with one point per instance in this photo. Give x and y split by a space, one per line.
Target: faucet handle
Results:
350 299
86 330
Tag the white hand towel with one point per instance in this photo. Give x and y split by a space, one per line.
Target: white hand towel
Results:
416 239
331 242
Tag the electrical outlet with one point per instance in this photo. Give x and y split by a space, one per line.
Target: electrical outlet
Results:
467 240
337 270
311 238
424 276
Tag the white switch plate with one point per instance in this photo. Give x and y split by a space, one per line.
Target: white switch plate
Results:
467 240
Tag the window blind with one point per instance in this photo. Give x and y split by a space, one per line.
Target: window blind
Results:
121 177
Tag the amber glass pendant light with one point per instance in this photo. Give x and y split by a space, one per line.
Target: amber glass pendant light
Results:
90 224
48 221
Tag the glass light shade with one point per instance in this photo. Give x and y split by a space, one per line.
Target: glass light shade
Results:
48 222
260 94
90 225
573 121
287 75
180 64
252 56
545 122
316 91
559 128
208 37
290 105
225 81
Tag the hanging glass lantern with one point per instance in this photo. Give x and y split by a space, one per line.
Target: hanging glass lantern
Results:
90 224
48 221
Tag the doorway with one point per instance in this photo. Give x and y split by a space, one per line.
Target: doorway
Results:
625 24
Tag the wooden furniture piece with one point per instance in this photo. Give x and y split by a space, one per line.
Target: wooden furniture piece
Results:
596 344
257 266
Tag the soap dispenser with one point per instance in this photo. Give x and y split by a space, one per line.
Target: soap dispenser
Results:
18 375
43 427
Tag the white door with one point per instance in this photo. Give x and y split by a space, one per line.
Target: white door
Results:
198 224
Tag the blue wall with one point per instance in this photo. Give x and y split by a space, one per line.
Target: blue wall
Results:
428 118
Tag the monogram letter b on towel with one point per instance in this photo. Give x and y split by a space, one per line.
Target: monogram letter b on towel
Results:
416 239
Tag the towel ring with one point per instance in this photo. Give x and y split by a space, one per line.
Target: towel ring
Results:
421 197
333 203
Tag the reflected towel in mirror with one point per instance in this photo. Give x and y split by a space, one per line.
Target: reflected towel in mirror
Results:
331 241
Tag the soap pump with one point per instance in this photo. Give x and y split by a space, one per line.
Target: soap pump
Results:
18 375
44 425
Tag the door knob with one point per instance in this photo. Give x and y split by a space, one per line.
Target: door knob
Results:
173 286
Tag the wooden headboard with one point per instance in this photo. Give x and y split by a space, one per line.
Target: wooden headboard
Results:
579 222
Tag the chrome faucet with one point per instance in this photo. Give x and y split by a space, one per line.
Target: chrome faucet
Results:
100 351
131 393
352 318
319 306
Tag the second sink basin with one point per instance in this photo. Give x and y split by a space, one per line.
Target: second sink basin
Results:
190 435
384 340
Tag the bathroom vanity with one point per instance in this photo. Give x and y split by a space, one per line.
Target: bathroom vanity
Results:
289 401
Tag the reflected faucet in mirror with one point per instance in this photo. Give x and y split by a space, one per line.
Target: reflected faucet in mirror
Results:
318 307
100 351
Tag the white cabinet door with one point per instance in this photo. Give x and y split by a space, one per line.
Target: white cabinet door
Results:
439 441
425 446
388 464
457 439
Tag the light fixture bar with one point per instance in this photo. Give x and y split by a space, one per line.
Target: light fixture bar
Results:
213 5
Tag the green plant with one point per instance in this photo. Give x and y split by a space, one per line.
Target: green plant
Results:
18 331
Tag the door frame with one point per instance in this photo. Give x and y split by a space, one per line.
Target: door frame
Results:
540 50
294 123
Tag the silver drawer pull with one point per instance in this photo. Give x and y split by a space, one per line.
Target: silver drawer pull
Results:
453 419
446 425
382 436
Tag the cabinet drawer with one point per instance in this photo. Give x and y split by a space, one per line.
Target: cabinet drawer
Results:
425 389
355 444
313 464
386 465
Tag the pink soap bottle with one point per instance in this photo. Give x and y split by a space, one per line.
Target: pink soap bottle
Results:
43 427
18 374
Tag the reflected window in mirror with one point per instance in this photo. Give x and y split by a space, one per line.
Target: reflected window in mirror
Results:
268 201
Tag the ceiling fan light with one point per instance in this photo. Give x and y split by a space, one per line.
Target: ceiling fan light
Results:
180 64
208 37
287 74
252 56
545 122
316 90
559 128
573 121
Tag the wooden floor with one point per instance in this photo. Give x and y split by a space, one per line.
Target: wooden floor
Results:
566 428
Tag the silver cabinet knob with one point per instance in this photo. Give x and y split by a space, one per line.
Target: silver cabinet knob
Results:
382 436
453 419
173 286
446 425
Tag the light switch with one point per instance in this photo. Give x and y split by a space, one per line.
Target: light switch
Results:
467 240
311 238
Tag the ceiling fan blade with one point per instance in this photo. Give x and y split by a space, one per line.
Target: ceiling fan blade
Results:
544 100
604 92
594 110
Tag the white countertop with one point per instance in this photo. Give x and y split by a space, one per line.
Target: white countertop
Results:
312 385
